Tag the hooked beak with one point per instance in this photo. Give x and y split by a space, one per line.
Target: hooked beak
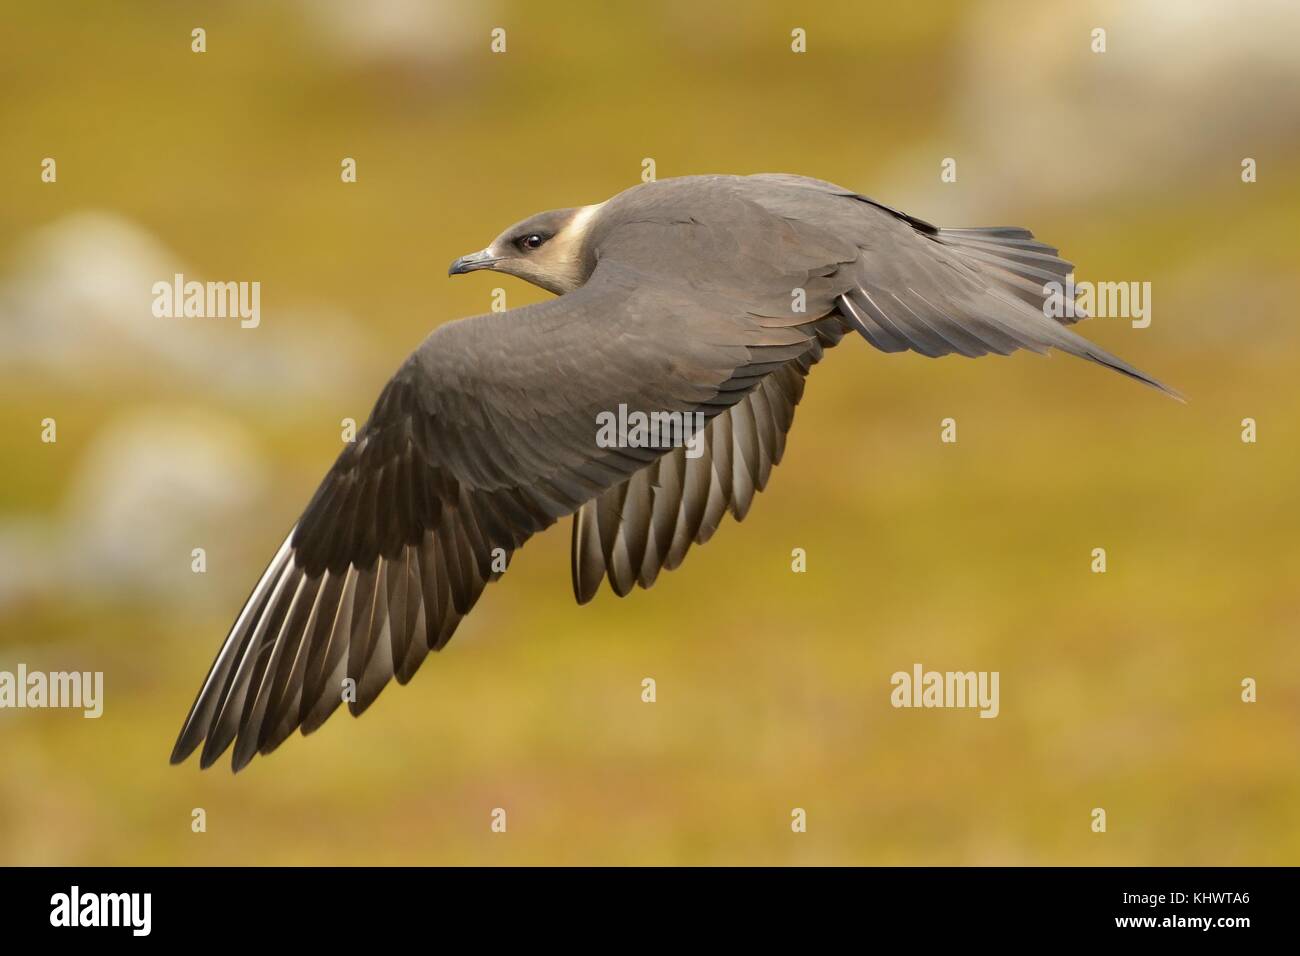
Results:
475 260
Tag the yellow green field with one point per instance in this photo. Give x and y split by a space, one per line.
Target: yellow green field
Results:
1119 690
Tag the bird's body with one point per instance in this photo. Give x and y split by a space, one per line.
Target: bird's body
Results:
709 296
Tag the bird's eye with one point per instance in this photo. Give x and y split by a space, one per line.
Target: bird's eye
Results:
533 240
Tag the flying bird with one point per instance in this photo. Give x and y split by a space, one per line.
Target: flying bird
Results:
705 295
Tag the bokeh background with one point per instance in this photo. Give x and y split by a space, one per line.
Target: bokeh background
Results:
1119 691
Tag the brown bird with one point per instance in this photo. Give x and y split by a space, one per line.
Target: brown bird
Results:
708 298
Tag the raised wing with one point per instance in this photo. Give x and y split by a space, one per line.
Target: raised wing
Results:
913 286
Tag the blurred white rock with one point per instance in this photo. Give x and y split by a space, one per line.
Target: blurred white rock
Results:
76 304
154 485
1038 119
418 33
26 560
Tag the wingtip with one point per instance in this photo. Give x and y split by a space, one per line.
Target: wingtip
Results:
183 747
209 756
584 592
239 760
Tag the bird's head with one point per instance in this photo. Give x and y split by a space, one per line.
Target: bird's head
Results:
549 250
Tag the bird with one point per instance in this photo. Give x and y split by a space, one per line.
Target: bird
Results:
706 296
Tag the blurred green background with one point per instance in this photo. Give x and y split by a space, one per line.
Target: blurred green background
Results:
1119 691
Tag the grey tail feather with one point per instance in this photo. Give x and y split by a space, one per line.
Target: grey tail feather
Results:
1078 345
1030 262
